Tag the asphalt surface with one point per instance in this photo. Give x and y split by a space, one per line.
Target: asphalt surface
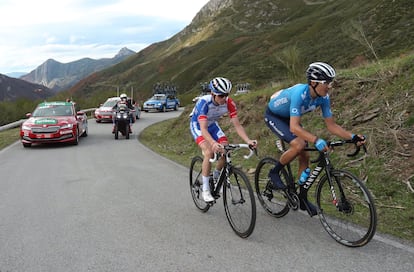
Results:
113 205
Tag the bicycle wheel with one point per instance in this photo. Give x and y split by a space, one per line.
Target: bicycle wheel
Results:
196 182
274 202
239 203
353 220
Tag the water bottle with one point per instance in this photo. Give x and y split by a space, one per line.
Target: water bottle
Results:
304 176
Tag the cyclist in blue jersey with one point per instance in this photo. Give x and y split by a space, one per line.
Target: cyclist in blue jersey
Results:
206 131
283 117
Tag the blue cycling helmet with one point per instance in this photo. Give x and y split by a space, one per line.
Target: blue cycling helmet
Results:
220 85
320 71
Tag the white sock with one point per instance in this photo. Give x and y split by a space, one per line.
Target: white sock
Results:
206 183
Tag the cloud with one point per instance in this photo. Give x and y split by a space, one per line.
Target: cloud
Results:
68 30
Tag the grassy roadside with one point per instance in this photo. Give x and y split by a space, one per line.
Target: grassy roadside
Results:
8 137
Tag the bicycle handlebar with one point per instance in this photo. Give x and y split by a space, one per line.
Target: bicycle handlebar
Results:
332 144
231 147
342 142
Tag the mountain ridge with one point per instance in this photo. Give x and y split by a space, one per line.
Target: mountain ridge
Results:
12 89
60 76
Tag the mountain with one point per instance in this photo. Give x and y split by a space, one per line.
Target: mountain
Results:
60 76
12 89
262 41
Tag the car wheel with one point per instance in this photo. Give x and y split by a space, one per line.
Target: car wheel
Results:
27 144
76 141
85 133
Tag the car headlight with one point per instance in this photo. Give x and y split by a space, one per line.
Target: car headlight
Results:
25 127
67 126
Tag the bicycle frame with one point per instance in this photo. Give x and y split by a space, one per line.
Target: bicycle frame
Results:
324 163
227 167
238 195
345 206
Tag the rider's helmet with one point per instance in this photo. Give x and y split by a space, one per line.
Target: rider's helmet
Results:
123 97
220 86
320 71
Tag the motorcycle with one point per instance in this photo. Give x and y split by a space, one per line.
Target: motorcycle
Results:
122 118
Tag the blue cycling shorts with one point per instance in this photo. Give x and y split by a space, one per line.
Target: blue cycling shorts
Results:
279 126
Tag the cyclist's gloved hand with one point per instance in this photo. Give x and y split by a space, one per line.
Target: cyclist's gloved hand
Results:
321 144
358 138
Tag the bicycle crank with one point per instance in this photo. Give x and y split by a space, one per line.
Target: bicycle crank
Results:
293 202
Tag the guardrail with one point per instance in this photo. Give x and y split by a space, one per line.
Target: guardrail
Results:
18 123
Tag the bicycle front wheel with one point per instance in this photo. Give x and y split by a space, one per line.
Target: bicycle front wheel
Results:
273 201
347 210
196 183
239 203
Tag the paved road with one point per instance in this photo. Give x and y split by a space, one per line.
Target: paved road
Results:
108 205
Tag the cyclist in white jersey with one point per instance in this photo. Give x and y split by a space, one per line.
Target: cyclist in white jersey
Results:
283 117
207 132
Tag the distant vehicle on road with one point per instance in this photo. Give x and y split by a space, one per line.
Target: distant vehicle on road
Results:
105 112
54 122
161 102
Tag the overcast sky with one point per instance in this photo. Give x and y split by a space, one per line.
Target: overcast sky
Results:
33 31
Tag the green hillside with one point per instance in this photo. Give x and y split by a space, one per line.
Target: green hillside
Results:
261 42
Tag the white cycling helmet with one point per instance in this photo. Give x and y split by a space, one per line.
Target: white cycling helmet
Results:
220 85
122 96
320 71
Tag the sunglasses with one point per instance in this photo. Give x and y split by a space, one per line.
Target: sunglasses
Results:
329 83
222 95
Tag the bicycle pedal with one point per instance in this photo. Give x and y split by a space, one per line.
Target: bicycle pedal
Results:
211 203
268 195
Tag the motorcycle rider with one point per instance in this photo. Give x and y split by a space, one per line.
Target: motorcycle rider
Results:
124 100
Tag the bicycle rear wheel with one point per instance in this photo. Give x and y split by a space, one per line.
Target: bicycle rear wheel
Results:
239 203
196 183
352 220
274 202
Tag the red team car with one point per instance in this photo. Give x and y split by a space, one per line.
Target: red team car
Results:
54 122
105 111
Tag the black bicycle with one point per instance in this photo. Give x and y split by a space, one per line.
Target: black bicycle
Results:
238 196
345 206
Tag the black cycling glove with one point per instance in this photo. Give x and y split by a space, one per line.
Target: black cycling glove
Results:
356 138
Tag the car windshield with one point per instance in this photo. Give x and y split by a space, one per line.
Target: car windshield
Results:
53 110
158 97
110 103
